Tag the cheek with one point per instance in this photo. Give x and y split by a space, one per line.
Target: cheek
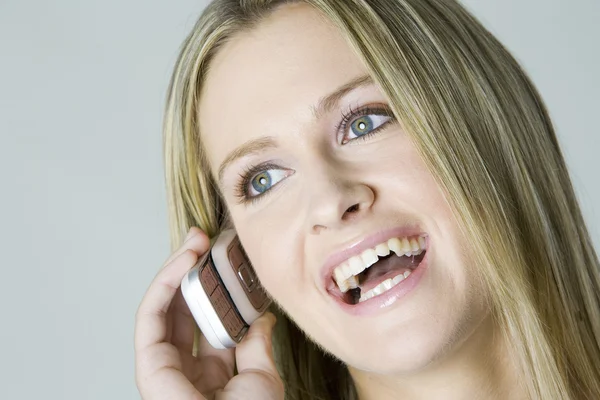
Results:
420 193
274 258
279 263
403 173
459 267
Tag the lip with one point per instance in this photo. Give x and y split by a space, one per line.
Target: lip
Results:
358 247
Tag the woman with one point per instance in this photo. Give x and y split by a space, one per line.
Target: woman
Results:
331 132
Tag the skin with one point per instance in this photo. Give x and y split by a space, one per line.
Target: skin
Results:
164 336
328 193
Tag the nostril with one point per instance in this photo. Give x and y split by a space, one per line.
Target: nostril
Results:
353 209
351 212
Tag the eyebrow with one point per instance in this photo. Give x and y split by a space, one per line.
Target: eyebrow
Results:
324 106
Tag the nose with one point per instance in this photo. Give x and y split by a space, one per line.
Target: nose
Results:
337 200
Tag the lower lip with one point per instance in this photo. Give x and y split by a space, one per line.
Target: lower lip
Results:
387 299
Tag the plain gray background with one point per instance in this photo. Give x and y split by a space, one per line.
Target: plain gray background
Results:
83 224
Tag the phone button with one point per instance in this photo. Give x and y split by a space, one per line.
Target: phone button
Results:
208 278
220 302
247 276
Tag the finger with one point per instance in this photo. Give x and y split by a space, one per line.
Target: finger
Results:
193 231
184 327
255 351
226 357
163 380
194 235
151 318
151 326
183 324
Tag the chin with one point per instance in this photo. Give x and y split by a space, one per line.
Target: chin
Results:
398 354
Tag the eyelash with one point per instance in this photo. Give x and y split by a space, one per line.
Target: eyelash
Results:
354 113
241 190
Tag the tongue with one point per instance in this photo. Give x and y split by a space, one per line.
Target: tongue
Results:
386 268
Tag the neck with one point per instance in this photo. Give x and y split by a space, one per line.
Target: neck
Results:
480 368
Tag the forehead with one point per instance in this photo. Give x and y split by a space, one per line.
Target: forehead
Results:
266 80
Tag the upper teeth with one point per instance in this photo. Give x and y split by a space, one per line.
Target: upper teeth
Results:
345 273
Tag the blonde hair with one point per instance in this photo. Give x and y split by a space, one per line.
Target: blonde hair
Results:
485 134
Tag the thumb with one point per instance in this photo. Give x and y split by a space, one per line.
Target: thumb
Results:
254 352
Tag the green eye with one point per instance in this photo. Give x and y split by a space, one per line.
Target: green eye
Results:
365 125
262 182
362 126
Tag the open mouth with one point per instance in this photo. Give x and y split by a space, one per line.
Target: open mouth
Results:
379 269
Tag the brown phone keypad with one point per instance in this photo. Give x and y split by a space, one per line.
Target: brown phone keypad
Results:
209 280
220 299
232 322
246 275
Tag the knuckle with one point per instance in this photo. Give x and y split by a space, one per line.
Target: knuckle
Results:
275 382
258 337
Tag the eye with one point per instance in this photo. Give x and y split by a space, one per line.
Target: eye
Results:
364 122
256 181
264 180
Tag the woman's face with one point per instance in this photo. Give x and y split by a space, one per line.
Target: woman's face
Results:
317 185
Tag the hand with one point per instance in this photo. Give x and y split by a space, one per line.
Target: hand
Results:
164 336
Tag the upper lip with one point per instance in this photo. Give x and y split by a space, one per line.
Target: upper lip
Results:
357 246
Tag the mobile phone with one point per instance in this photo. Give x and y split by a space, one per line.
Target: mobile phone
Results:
223 293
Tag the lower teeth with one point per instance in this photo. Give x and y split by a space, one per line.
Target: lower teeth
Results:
384 286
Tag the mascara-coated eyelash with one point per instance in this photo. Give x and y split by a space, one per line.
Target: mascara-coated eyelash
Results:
353 114
247 175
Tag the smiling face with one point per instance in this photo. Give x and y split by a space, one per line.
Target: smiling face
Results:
315 170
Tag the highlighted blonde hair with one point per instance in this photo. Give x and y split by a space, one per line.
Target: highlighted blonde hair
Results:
485 134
